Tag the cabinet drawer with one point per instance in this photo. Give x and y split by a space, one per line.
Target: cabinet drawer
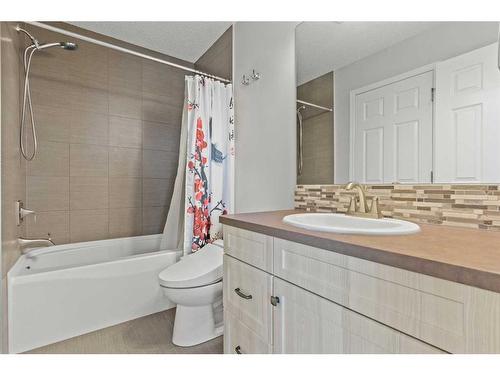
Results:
430 309
247 293
253 248
239 339
307 323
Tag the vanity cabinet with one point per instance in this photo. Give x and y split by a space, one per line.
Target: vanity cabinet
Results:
306 299
273 310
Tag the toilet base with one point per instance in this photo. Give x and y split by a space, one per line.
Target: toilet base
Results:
194 325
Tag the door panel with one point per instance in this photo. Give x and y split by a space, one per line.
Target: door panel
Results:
247 291
406 152
393 132
307 323
373 150
467 117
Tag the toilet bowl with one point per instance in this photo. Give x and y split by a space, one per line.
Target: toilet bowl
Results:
195 285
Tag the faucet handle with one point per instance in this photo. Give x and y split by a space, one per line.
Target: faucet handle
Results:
374 210
352 205
22 212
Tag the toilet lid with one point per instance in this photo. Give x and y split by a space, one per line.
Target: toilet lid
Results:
198 269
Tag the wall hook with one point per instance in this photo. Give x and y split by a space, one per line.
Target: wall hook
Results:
255 76
245 81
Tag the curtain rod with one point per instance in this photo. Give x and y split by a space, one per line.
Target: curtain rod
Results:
314 105
124 50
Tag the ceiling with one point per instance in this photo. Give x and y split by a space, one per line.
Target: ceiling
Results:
184 40
321 46
325 46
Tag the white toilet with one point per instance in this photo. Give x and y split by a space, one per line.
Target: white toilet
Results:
195 285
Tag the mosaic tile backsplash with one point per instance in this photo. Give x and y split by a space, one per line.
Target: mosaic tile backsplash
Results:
471 206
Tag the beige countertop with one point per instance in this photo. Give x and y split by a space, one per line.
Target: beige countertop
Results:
467 256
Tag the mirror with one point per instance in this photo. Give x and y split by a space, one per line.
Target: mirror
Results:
398 102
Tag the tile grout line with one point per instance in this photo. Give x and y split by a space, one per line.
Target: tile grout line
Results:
109 140
142 62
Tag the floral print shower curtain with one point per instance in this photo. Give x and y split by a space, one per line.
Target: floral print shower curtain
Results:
209 177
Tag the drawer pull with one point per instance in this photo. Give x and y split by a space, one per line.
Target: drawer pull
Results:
242 295
238 350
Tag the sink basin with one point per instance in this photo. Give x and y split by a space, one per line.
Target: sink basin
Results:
340 223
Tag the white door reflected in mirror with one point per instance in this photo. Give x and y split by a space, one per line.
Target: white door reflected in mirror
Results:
413 102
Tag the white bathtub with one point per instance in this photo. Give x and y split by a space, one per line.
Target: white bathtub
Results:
67 290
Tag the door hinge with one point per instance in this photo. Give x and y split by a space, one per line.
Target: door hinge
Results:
433 94
275 300
432 176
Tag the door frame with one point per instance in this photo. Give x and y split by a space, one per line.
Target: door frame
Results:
376 85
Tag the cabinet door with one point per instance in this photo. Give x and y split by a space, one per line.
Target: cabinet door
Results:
467 117
247 292
307 323
431 309
239 339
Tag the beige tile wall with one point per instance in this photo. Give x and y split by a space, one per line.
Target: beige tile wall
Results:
318 163
108 127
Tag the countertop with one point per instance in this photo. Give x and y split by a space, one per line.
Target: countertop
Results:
467 256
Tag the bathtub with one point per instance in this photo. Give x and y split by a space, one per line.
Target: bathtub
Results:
59 292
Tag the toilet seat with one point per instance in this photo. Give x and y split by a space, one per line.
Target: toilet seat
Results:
201 268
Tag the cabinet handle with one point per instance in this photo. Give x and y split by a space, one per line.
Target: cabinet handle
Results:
242 295
238 350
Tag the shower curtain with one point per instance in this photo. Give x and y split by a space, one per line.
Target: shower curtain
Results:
204 186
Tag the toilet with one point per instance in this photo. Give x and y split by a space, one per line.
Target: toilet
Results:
195 285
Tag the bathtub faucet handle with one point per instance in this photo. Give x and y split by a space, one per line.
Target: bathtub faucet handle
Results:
22 212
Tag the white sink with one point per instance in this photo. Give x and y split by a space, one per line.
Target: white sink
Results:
340 223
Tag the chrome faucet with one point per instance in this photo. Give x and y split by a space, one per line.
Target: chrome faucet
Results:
361 209
29 244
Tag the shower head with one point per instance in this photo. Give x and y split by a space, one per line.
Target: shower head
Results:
70 46
301 108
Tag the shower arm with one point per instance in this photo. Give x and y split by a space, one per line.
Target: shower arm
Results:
33 39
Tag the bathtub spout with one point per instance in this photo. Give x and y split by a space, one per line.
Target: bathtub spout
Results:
28 244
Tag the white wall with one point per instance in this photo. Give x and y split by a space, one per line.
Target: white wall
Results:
265 160
434 45
2 308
